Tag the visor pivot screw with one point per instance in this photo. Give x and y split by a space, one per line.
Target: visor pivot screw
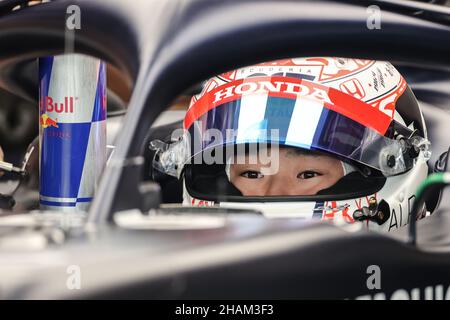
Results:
391 161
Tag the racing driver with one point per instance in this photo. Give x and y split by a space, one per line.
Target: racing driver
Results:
319 137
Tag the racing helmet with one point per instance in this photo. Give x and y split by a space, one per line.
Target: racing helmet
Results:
360 112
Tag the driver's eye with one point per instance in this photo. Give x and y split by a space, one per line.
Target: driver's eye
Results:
252 174
308 175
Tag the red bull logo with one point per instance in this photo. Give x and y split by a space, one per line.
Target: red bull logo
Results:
48 105
46 122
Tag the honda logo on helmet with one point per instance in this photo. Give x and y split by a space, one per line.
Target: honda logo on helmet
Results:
303 88
353 87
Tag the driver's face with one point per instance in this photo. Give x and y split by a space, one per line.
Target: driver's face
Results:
298 174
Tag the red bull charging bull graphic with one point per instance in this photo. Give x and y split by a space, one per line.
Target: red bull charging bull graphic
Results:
72 130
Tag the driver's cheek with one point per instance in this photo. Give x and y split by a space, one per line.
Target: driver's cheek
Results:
252 187
320 183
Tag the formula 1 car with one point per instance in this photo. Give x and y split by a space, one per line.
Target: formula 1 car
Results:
130 245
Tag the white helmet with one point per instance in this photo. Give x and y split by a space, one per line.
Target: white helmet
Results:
361 112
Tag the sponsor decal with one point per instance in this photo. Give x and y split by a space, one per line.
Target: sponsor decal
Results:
386 102
353 87
201 203
49 105
46 121
291 88
332 210
287 88
336 68
396 221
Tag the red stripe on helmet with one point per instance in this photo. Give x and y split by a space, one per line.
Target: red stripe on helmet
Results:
291 88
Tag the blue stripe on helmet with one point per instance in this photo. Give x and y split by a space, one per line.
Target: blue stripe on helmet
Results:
278 115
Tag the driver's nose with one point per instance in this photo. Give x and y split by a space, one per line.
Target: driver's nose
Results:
281 187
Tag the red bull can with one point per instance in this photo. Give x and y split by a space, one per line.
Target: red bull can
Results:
72 130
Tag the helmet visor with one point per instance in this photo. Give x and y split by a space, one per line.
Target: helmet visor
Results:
297 113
